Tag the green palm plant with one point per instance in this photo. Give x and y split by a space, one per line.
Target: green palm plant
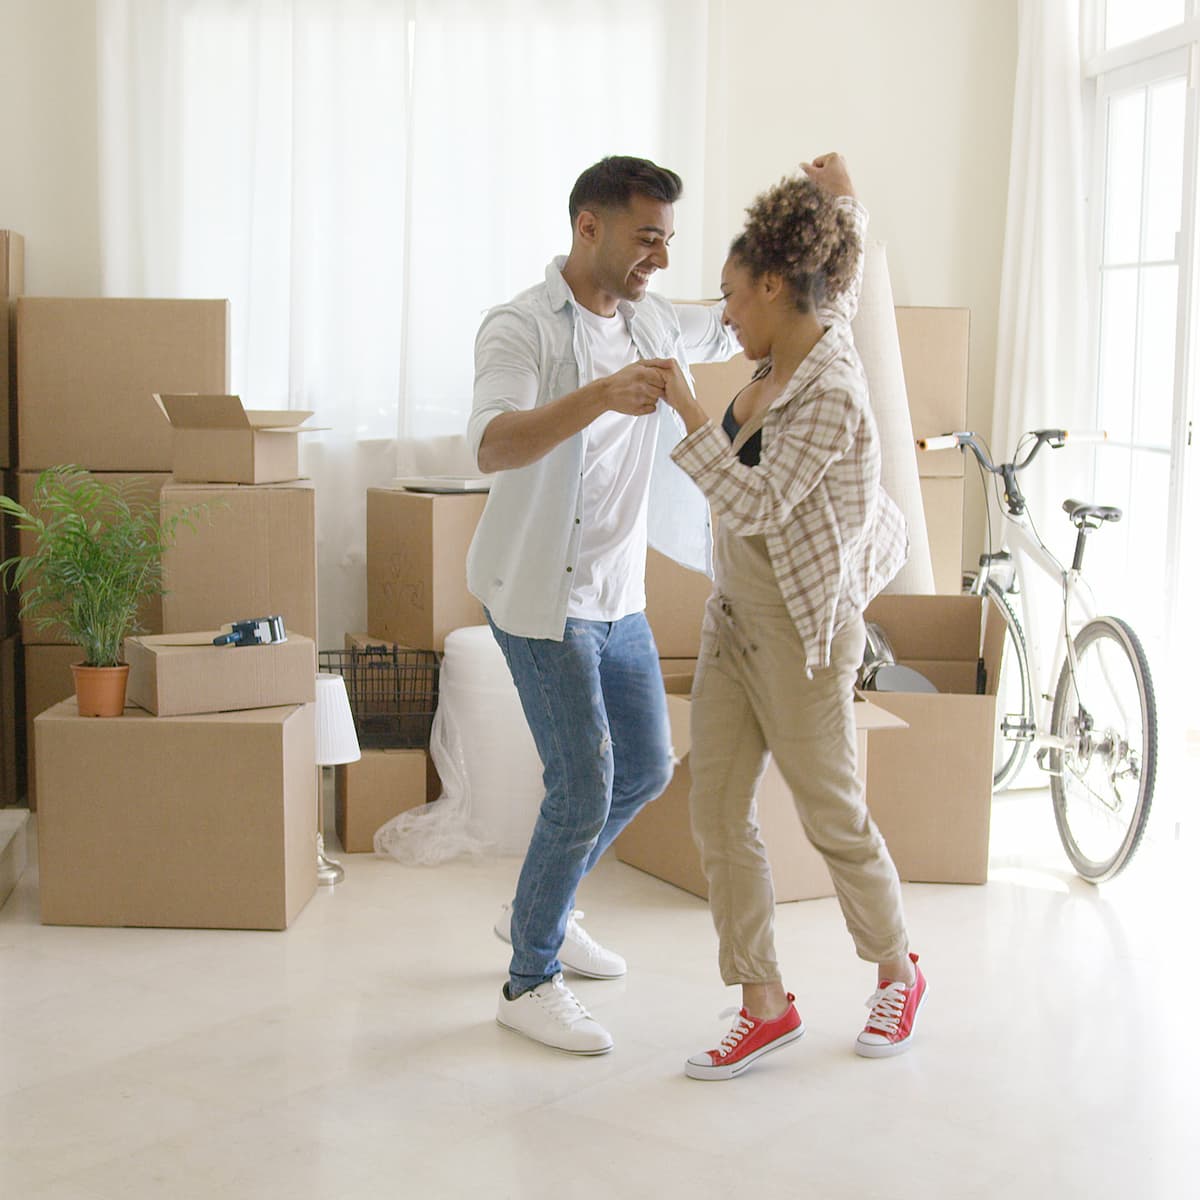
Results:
98 553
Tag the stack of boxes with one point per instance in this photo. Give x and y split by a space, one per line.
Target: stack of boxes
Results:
12 275
417 546
210 786
85 373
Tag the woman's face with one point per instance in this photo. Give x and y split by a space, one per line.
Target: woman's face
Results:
746 310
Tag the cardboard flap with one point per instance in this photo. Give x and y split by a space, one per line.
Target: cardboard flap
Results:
195 411
930 628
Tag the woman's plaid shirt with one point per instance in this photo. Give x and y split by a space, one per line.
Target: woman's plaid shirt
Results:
834 537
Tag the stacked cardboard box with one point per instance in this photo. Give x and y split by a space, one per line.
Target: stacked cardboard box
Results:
86 371
934 349
12 272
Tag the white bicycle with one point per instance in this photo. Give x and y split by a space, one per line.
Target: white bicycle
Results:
1096 733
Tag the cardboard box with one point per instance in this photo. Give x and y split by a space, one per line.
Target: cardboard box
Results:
675 600
678 674
718 383
48 680
11 724
9 601
218 440
931 794
417 546
253 554
12 284
147 487
176 674
942 497
659 839
382 784
199 822
934 349
87 371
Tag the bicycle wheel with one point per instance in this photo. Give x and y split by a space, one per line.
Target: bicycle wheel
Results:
1014 693
1102 780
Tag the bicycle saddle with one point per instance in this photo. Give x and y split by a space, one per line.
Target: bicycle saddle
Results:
1080 511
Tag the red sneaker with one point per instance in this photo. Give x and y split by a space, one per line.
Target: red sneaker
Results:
748 1040
894 1008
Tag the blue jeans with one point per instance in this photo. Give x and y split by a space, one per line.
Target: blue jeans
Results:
598 714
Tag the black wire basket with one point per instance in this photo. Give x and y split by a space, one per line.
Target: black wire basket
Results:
393 693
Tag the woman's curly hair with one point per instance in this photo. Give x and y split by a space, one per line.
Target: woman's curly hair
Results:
794 229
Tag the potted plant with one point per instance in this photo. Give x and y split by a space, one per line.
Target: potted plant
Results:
97 556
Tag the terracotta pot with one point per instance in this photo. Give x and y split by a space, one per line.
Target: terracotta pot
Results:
100 691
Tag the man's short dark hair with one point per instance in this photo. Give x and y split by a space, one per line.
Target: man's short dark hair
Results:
615 180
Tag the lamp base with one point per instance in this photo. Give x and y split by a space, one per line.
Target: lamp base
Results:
329 871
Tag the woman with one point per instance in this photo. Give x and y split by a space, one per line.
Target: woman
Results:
805 538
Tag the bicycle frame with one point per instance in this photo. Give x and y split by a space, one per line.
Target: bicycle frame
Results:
1077 598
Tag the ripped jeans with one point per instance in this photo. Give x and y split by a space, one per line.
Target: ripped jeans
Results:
598 715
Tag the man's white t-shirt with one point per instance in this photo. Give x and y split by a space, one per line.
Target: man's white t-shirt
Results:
610 577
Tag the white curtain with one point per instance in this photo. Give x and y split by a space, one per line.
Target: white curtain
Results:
1041 370
362 179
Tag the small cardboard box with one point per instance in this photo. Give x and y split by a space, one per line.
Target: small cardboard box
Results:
934 350
48 680
199 822
218 440
659 839
932 794
382 784
176 674
11 708
12 284
417 546
942 498
147 488
253 553
87 371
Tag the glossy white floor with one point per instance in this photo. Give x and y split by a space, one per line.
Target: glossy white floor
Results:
356 1055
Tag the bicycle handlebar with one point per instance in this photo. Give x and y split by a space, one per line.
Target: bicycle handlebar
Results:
1055 438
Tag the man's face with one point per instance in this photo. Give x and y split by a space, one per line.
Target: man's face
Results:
631 245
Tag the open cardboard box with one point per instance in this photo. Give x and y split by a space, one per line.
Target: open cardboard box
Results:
931 794
218 440
659 839
175 674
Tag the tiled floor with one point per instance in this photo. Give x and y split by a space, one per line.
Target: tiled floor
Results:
356 1056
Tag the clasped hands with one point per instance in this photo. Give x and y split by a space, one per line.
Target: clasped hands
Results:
637 389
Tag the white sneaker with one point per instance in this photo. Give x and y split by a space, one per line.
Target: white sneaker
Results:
580 951
551 1014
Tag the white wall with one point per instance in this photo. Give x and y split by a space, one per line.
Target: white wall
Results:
48 180
918 97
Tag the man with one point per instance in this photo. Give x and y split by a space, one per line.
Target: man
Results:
568 382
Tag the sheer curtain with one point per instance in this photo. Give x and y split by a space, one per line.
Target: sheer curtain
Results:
362 180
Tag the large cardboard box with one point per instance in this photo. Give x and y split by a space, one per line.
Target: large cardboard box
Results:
931 794
942 498
176 674
659 839
934 349
218 440
11 708
200 822
417 546
145 488
253 553
47 679
12 284
381 785
87 371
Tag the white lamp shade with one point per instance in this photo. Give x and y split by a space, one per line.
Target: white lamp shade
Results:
337 741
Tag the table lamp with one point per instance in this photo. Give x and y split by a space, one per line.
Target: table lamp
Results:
337 743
